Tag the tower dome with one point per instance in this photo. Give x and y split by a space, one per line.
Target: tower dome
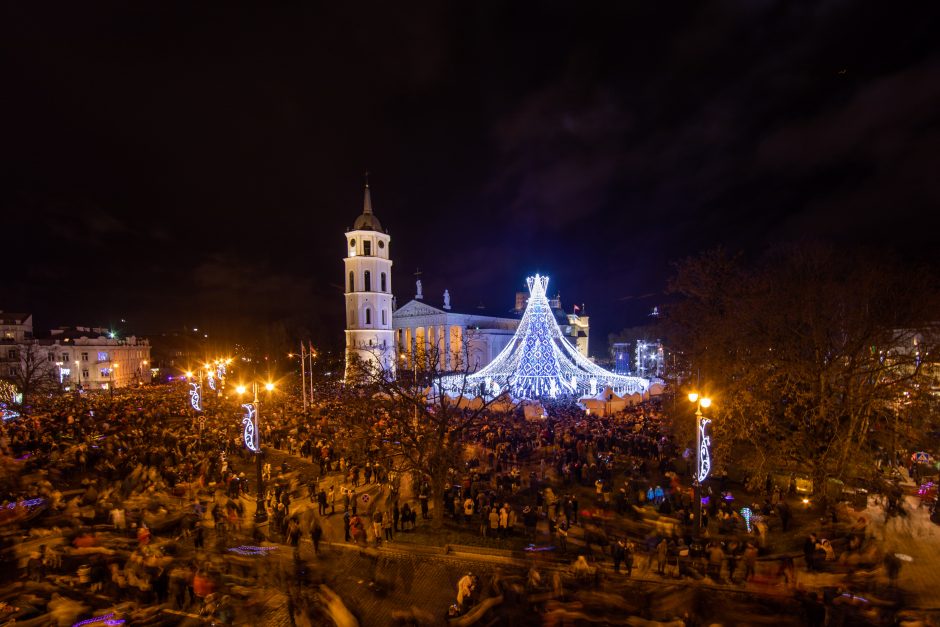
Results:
367 221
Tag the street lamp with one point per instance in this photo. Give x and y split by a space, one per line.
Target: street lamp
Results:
252 437
78 377
702 456
111 380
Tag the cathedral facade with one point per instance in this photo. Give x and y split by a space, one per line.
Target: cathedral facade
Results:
388 337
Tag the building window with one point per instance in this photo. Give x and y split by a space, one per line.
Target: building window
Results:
105 372
84 374
12 354
352 282
367 248
51 356
367 280
84 356
65 357
383 314
382 281
368 316
102 356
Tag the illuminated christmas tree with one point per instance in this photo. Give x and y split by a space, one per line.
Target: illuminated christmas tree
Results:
538 362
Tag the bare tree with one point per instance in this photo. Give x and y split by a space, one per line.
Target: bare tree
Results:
428 409
808 352
31 371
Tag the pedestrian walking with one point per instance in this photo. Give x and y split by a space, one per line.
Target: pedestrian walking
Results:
750 561
387 526
662 550
316 533
618 552
562 533
377 527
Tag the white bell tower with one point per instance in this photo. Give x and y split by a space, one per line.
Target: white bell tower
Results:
368 281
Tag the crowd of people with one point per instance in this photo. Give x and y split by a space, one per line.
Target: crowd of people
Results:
140 499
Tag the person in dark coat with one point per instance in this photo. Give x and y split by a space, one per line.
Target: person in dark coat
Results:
316 533
809 551
618 551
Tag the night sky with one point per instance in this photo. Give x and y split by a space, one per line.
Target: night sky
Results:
196 164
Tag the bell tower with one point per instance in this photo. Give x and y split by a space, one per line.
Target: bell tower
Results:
368 281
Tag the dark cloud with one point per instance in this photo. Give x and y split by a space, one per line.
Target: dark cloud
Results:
203 165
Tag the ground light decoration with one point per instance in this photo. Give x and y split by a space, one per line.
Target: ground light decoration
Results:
539 363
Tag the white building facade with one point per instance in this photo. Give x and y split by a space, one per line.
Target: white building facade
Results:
82 358
98 362
456 341
368 280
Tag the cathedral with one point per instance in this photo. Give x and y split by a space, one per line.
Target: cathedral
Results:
390 337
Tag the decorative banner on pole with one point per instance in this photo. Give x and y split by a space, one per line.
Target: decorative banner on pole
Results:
195 396
211 377
704 453
220 370
250 434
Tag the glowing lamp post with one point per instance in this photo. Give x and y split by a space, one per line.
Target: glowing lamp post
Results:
251 434
703 460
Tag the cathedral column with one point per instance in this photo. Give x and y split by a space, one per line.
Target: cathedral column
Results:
427 346
445 358
441 351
